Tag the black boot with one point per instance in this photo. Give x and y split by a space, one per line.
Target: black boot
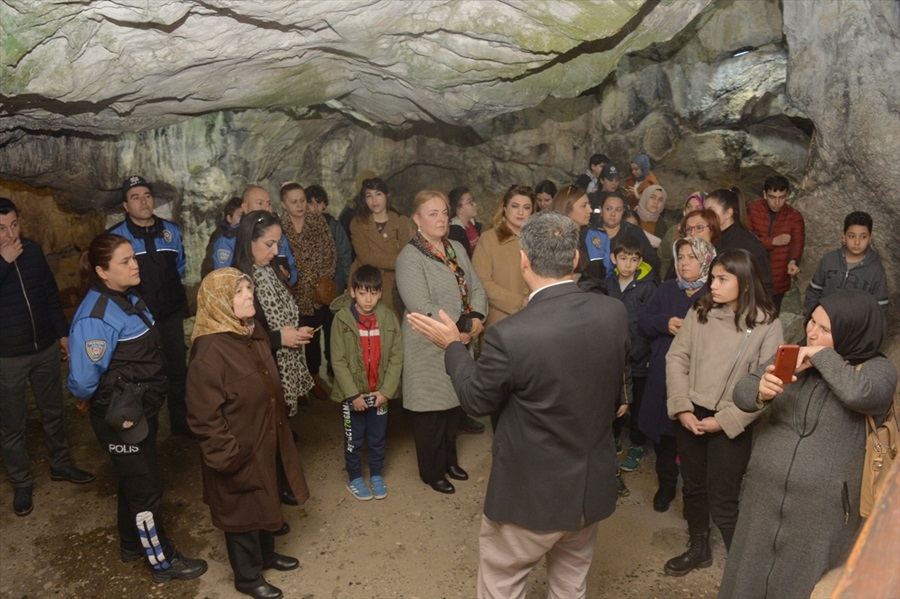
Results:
698 555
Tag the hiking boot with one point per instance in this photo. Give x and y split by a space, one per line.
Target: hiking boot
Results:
698 555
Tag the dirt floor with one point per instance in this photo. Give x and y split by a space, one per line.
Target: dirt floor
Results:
416 543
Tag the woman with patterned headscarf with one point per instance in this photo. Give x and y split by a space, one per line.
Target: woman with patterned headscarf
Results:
659 322
236 408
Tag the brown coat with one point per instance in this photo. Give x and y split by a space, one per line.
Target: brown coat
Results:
498 267
380 249
235 406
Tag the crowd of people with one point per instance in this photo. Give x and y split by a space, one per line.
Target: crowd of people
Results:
661 316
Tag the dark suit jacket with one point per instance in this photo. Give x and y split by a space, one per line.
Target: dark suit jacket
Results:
553 371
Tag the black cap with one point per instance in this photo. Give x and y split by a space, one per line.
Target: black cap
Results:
125 415
609 172
134 181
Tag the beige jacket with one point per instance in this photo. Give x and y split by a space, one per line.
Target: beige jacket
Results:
497 265
380 249
706 361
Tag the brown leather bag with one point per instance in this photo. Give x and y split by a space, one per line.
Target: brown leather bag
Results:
325 291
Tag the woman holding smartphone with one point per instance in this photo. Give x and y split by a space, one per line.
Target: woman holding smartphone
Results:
800 504
730 331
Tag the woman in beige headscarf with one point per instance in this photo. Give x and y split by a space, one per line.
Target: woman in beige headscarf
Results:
236 408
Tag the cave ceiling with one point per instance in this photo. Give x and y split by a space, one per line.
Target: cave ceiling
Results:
106 67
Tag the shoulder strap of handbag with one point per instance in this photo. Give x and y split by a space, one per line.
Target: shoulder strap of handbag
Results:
872 429
734 362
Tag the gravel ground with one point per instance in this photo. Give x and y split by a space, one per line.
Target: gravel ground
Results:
416 543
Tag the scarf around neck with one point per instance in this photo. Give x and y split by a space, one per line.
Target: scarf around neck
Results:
448 257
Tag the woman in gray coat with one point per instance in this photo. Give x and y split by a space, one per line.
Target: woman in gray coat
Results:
800 506
434 273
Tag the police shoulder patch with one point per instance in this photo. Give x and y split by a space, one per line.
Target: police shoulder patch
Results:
223 256
167 235
95 349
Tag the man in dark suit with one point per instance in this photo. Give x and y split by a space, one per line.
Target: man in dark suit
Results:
554 465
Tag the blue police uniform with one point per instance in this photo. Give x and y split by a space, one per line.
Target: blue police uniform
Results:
160 254
114 342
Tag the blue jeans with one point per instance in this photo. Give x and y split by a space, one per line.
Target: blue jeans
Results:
364 426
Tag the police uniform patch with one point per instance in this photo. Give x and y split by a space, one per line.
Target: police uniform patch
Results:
95 349
167 235
596 242
223 256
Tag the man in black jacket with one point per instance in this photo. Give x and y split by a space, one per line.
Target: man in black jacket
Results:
31 324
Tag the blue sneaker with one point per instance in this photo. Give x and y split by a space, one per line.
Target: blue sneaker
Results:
358 489
378 488
633 458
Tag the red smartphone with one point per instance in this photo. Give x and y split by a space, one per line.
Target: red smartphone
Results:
786 362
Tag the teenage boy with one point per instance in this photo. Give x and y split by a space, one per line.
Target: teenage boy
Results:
590 180
854 265
781 230
367 356
634 284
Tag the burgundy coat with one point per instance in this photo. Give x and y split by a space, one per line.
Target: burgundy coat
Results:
787 220
235 406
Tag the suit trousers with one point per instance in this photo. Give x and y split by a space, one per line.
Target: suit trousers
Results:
171 329
712 467
508 553
435 437
140 490
248 553
43 370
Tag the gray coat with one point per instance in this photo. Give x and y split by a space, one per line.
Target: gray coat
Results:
800 505
427 286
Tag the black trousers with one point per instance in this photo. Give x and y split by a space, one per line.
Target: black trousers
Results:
666 466
139 519
171 329
248 553
712 467
435 437
322 316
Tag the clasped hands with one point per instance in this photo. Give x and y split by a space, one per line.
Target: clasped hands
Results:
296 336
442 332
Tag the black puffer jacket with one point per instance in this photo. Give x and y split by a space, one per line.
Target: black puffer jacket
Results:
31 317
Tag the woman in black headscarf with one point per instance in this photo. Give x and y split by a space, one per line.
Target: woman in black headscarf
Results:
799 512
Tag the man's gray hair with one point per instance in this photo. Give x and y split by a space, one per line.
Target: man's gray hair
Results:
550 240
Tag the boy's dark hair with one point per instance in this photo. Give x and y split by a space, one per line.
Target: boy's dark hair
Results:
366 277
232 205
628 245
598 159
858 217
7 206
316 193
776 183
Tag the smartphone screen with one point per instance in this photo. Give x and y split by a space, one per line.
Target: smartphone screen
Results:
786 362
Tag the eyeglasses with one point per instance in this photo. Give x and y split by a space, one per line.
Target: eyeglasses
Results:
695 229
468 203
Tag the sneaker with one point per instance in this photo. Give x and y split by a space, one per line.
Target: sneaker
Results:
618 446
358 489
22 503
633 459
621 489
71 474
378 488
180 568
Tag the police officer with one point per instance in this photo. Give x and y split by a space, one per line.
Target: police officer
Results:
117 370
160 255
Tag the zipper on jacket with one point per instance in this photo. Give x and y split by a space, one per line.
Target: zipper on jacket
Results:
28 304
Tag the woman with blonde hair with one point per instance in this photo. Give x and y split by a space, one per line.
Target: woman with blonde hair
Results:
433 274
496 258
